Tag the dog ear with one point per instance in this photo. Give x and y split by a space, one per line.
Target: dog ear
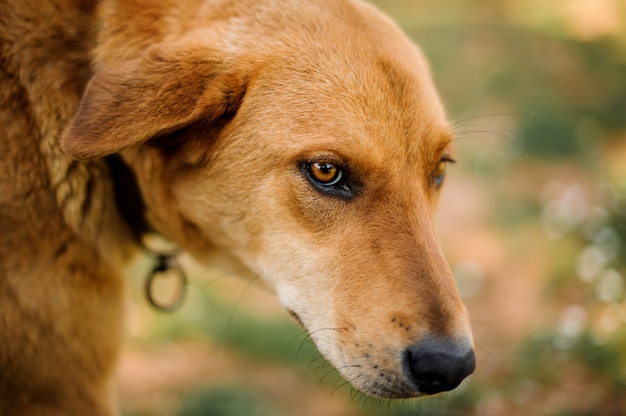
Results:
130 103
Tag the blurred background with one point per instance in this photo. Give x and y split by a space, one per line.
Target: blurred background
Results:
532 220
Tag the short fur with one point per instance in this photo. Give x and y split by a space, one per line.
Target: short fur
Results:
216 106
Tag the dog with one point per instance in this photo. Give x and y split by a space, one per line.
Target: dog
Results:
303 138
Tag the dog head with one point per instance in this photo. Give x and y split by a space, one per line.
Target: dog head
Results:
307 140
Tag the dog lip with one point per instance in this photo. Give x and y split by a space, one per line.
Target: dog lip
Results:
296 317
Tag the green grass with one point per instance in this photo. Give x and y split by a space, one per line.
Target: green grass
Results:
231 400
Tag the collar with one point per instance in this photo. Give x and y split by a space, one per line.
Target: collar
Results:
128 197
133 208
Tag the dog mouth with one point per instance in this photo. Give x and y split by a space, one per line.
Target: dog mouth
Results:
429 366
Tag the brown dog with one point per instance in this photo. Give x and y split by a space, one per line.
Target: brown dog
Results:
304 138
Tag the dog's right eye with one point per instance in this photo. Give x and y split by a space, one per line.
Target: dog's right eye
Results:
328 177
325 173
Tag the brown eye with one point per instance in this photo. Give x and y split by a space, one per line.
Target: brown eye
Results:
330 178
325 173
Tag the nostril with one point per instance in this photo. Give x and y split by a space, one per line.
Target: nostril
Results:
437 365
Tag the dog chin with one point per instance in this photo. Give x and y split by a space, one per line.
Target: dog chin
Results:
362 373
380 378
386 368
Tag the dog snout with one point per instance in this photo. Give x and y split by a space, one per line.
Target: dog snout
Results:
438 365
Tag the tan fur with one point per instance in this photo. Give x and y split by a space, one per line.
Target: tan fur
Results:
215 106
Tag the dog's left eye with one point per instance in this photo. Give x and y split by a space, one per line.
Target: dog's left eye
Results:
440 172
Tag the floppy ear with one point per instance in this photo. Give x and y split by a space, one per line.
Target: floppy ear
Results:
127 104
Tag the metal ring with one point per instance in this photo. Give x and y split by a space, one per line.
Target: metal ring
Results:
164 264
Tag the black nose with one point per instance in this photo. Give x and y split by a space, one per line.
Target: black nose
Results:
436 365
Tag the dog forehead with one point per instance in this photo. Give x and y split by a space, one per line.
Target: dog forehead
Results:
337 72
376 106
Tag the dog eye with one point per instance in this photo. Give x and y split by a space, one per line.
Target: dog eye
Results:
440 172
329 178
325 173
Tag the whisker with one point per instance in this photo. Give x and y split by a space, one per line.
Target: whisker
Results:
474 117
349 381
319 357
325 375
353 393
478 344
350 366
464 130
364 401
481 134
240 299
335 388
324 364
303 334
203 287
322 337
483 348
475 128
487 324
476 136
305 340
326 329
331 341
